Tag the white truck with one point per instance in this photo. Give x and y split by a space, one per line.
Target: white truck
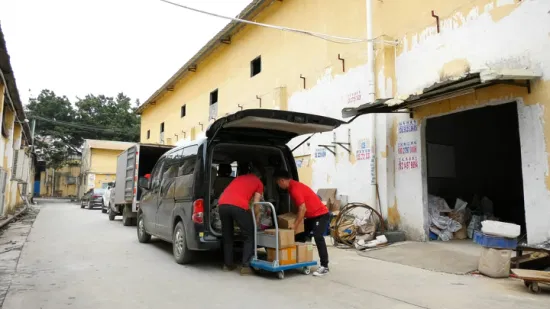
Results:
135 162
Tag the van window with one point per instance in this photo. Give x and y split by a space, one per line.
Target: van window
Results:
170 171
155 175
186 168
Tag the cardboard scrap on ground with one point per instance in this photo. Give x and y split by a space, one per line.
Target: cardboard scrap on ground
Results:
328 197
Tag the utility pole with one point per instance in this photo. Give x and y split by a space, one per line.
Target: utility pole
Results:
33 127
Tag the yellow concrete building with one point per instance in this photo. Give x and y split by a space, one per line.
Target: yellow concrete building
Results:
63 182
457 92
18 159
99 160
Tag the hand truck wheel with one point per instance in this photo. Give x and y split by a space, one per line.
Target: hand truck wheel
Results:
281 275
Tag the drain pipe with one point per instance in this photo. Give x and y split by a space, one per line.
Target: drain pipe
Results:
371 97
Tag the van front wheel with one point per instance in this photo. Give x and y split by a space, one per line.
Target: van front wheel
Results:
182 254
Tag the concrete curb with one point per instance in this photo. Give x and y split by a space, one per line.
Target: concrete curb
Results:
7 221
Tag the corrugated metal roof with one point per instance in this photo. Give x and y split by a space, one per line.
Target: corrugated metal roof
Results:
453 87
253 9
113 145
11 86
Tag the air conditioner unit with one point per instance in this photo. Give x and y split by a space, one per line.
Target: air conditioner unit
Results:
26 168
18 165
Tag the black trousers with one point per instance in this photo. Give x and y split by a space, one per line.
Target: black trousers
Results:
228 215
317 225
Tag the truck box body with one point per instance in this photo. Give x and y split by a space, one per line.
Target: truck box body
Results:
133 163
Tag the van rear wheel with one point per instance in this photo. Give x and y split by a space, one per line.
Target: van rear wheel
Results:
143 236
182 254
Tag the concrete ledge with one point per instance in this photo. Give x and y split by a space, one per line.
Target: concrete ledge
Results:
5 222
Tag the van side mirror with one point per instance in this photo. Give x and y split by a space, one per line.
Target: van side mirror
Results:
143 183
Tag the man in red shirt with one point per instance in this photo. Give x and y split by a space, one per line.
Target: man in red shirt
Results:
235 207
312 210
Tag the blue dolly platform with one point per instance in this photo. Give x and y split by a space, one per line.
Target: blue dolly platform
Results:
272 241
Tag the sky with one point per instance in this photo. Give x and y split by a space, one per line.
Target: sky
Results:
78 47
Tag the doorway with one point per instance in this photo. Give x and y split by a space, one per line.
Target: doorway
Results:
476 154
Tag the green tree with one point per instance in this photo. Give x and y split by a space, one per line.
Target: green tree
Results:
61 126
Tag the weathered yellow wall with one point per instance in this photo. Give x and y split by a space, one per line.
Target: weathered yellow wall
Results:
43 188
104 161
284 57
100 179
305 172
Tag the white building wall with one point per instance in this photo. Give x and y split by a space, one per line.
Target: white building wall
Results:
472 43
350 173
466 43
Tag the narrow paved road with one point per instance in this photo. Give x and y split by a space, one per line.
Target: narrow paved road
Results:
76 258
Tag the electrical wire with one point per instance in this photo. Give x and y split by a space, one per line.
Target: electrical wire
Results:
79 126
326 37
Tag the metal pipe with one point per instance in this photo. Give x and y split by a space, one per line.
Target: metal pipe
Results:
436 20
371 98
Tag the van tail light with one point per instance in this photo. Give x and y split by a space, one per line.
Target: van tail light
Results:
198 211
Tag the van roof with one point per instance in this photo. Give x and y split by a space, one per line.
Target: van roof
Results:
196 142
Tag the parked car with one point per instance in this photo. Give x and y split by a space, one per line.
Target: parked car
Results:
92 198
107 197
179 202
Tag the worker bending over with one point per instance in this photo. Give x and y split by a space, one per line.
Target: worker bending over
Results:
311 209
235 207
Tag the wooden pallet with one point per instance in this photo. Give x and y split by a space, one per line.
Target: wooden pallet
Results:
532 278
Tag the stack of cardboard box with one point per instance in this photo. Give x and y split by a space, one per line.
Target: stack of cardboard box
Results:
290 252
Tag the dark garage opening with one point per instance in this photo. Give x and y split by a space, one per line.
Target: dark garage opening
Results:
477 152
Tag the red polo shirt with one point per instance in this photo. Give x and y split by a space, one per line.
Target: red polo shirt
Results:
302 194
241 190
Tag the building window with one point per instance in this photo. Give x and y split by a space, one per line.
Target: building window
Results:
148 134
162 133
183 111
256 66
214 97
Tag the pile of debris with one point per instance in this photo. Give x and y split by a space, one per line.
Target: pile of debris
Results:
356 225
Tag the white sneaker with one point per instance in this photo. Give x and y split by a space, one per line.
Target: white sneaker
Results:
321 271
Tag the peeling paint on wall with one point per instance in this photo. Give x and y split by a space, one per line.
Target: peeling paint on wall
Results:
483 37
344 171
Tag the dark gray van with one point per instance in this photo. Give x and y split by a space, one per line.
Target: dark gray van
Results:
179 203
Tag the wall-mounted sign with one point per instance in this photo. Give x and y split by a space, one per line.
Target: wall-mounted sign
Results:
408 126
408 163
363 154
407 147
320 153
354 97
91 181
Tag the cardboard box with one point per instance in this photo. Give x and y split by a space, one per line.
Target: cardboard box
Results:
328 197
286 256
304 252
334 207
286 221
286 237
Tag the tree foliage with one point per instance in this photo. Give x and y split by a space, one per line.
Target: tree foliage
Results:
62 126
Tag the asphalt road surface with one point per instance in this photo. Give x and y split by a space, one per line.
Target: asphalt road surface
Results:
77 258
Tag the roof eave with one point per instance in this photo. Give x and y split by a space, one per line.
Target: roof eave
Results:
254 8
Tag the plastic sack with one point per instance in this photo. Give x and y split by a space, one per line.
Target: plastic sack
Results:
502 229
495 263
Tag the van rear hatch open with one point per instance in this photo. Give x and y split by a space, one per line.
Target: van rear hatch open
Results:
275 126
